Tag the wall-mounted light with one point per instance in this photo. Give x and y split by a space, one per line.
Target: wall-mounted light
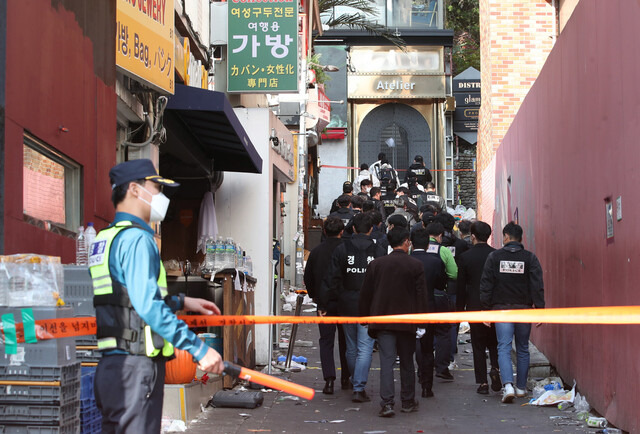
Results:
274 139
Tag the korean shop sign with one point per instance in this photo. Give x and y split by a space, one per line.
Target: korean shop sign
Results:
262 51
145 42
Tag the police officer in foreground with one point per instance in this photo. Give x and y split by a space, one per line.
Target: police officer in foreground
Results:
512 279
136 325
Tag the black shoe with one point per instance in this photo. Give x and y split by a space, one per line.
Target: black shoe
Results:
387 411
360 396
483 389
496 384
446 375
346 384
410 407
427 393
328 387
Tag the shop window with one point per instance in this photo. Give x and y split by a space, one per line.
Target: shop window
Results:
52 187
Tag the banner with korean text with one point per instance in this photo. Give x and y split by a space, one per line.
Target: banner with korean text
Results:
145 42
263 46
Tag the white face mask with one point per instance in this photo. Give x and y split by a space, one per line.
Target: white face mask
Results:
159 205
367 189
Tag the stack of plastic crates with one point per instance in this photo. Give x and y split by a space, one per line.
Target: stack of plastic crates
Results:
90 417
78 292
40 383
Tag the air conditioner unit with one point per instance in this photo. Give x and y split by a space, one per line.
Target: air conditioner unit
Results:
219 23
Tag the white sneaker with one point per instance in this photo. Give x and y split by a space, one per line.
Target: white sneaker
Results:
508 394
452 366
520 393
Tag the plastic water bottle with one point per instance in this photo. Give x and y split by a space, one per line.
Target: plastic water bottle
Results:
89 237
229 253
239 258
4 284
210 254
81 248
219 253
248 267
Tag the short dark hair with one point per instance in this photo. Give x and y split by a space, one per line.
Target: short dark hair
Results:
404 190
464 226
384 161
347 187
368 205
420 239
397 220
362 223
364 166
513 230
374 191
428 217
333 226
364 196
430 185
381 156
120 192
397 236
356 202
418 159
376 217
429 208
481 230
344 200
447 220
365 182
435 229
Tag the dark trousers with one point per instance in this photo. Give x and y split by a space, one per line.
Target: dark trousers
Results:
424 353
327 339
483 338
442 341
129 392
390 344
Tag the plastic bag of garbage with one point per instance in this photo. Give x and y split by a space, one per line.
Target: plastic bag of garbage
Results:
469 214
555 396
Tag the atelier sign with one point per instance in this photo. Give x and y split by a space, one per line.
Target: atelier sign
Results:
394 86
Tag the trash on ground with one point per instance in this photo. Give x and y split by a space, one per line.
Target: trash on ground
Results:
373 432
554 394
289 398
244 414
304 343
336 421
596 422
312 309
464 328
177 425
352 409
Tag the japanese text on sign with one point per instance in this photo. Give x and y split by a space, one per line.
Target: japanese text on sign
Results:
263 47
145 41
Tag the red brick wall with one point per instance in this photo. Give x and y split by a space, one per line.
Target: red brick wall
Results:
516 37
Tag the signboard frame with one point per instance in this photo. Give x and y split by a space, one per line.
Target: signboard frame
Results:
262 54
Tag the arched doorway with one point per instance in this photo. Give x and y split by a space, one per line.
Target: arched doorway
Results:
400 126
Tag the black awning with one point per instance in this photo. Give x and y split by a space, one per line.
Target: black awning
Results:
203 122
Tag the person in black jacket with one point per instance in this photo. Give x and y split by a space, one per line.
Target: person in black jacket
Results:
395 284
318 263
457 247
418 168
512 279
436 278
348 265
470 266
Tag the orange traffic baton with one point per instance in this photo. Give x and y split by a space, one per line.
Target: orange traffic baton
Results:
268 381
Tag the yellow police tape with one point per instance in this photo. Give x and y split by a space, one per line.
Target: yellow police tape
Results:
614 315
